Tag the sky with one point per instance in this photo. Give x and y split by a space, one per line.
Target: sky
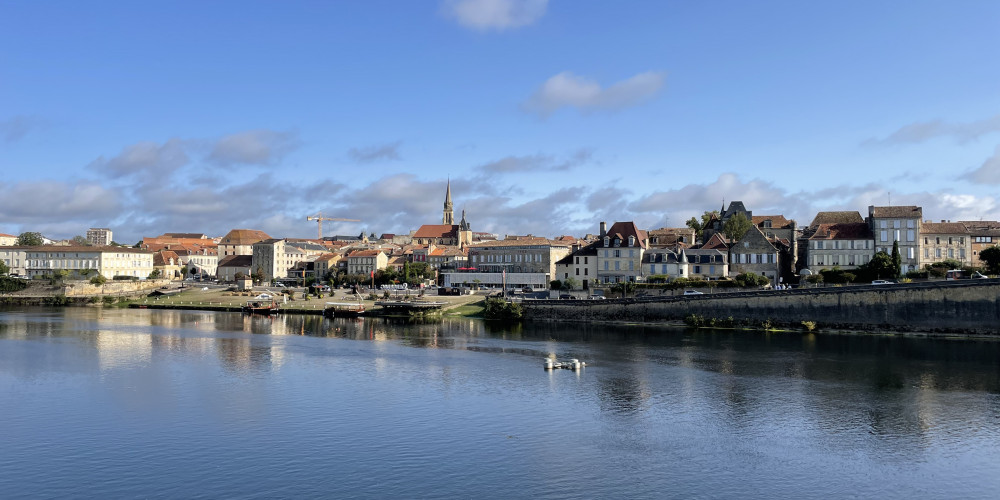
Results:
547 116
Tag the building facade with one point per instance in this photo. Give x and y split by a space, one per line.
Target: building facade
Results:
86 261
900 225
619 254
99 236
844 245
240 242
945 241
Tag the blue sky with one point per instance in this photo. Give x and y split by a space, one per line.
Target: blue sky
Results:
548 116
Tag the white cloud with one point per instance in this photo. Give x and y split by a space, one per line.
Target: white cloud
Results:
16 127
918 132
253 147
499 15
569 90
44 201
372 154
537 162
988 172
144 157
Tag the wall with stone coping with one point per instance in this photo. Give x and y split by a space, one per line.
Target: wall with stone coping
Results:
81 288
958 306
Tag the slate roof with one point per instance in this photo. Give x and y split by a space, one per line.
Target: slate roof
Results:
943 228
845 217
777 221
236 261
623 230
900 212
522 241
842 231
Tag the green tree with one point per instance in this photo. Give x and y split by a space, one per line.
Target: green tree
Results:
737 226
154 274
881 266
700 225
80 241
751 279
897 259
570 284
29 239
991 256
98 280
555 285
61 274
3 268
258 275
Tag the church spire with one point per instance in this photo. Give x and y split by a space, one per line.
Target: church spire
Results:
449 214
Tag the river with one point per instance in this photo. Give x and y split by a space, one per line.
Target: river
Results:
119 403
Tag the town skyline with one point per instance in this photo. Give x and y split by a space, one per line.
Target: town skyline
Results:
547 117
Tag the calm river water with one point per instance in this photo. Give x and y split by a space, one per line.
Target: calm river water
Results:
171 404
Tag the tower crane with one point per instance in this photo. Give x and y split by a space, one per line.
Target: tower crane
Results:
319 221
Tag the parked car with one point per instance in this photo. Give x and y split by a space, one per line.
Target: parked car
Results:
567 296
883 282
279 285
693 292
979 276
597 297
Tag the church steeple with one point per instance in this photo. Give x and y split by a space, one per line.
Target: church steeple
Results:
449 214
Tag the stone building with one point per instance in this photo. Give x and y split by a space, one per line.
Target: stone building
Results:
982 235
240 242
945 240
755 253
897 224
619 255
845 245
99 236
581 265
87 261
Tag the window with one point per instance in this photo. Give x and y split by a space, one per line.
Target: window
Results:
895 235
577 260
618 265
961 253
951 253
578 271
584 260
607 241
895 224
925 240
927 253
910 224
937 241
618 253
605 265
586 271
883 224
909 253
910 236
697 269
884 236
631 241
631 265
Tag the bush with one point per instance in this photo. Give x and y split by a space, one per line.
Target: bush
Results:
12 284
499 309
809 325
108 300
125 278
98 280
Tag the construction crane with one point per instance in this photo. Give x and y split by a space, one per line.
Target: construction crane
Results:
319 221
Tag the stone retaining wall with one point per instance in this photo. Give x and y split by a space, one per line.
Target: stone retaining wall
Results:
957 306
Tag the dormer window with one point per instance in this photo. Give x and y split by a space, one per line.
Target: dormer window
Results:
767 223
618 242
631 241
607 241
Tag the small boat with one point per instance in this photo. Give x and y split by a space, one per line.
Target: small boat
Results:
260 307
343 309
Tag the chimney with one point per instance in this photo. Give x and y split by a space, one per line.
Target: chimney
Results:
604 229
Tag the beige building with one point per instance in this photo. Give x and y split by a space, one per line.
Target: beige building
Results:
672 237
85 261
366 261
274 257
581 265
619 253
99 236
982 235
13 257
945 240
845 245
7 240
232 265
240 242
529 254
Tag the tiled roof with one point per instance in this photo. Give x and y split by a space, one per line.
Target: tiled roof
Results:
626 229
437 231
846 217
523 241
193 236
75 248
244 237
777 221
842 231
162 258
716 241
364 253
943 228
901 212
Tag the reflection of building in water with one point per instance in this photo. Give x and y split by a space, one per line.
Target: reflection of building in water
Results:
122 349
243 355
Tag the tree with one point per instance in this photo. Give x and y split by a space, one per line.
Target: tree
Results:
737 226
154 274
700 225
98 280
80 241
991 256
240 276
570 284
30 239
3 268
881 266
897 260
258 275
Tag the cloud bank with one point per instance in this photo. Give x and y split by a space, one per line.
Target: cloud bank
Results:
566 90
495 15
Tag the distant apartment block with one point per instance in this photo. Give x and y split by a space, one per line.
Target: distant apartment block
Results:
99 236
